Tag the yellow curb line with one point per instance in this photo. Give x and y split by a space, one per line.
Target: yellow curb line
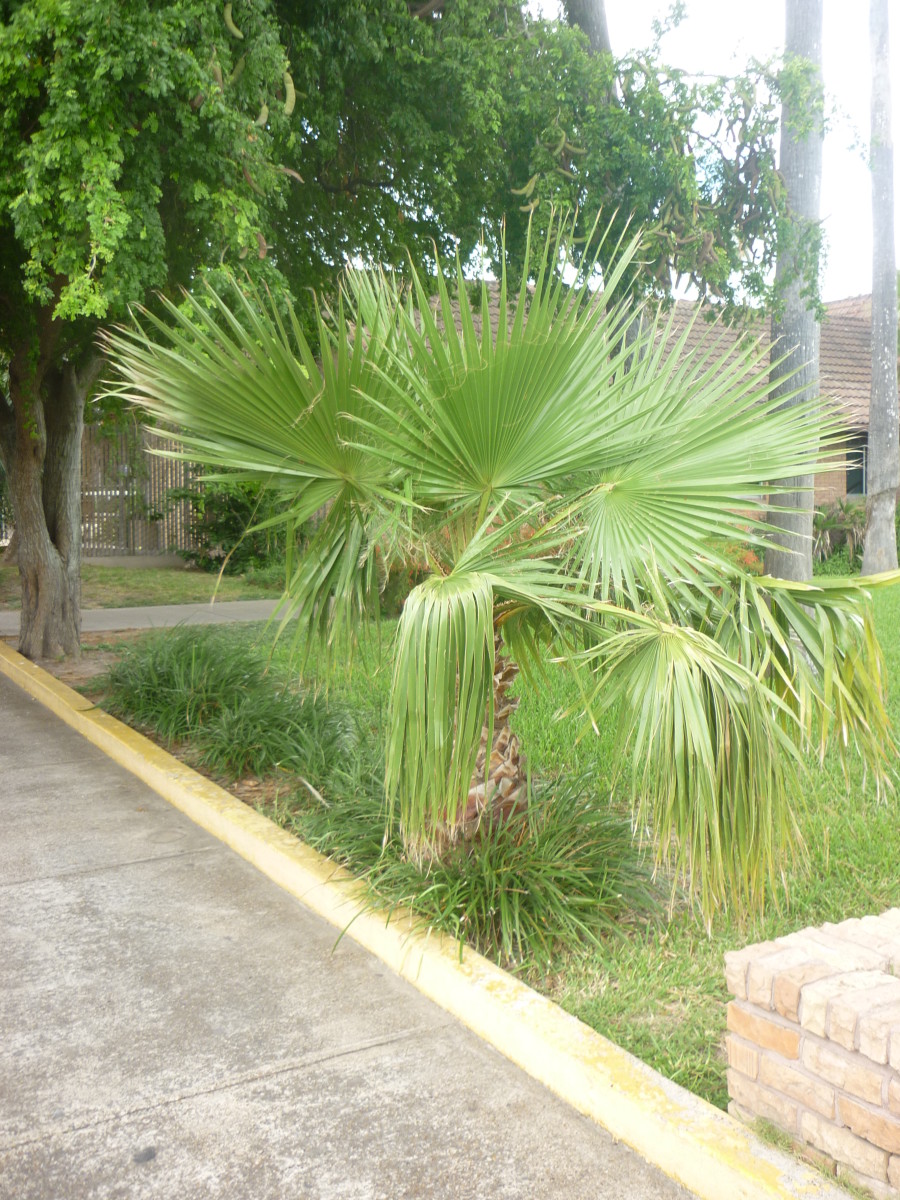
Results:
699 1146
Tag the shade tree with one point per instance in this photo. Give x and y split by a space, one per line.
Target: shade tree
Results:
137 148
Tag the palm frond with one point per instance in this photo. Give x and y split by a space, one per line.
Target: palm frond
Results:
440 696
689 453
815 645
482 414
714 777
236 388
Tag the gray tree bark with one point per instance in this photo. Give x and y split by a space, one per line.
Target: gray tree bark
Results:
789 553
590 17
40 445
883 473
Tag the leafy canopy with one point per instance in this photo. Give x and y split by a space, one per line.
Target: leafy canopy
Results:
432 124
131 154
142 144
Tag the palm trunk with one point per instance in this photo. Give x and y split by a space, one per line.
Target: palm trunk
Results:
789 554
883 473
499 782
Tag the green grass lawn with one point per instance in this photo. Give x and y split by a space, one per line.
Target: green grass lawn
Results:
656 987
659 991
126 587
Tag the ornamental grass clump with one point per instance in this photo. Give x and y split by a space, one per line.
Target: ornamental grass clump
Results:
213 689
560 874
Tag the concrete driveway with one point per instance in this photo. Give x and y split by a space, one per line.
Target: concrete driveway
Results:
174 1025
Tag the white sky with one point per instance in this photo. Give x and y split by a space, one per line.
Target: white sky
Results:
721 35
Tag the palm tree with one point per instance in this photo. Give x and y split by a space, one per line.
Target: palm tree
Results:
552 483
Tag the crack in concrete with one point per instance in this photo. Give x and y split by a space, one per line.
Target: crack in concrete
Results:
124 1116
100 867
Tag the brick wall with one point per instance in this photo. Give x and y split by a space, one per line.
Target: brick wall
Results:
831 485
813 1045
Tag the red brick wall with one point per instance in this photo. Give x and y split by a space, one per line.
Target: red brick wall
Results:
814 1045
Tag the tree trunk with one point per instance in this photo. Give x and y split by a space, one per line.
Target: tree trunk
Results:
883 466
590 17
789 554
11 553
502 788
40 442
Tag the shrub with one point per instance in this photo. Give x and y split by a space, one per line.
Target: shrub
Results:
744 557
222 518
212 687
557 876
837 564
841 524
400 583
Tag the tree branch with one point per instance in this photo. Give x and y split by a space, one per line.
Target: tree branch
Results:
425 10
351 186
89 372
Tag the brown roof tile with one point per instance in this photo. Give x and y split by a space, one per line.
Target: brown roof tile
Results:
845 370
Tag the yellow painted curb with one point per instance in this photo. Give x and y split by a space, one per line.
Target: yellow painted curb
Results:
698 1145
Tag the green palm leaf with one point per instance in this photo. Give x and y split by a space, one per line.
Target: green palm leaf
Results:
714 771
240 390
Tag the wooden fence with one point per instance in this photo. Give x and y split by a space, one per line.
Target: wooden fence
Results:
126 502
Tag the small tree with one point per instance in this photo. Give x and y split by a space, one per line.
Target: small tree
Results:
547 492
136 149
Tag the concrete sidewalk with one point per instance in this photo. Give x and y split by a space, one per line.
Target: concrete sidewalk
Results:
173 1024
157 616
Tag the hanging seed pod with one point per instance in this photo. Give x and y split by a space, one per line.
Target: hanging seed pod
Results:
215 67
230 25
527 189
290 96
238 69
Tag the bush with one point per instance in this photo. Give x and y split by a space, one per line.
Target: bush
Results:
212 687
400 583
838 564
558 876
841 524
744 557
221 515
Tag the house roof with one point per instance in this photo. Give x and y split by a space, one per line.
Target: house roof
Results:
845 366
845 356
845 369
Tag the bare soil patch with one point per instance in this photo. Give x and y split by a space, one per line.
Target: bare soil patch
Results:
99 652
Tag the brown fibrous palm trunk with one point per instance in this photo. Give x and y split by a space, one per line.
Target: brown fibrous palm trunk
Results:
499 785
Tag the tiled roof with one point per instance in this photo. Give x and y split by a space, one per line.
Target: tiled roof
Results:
845 369
845 356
